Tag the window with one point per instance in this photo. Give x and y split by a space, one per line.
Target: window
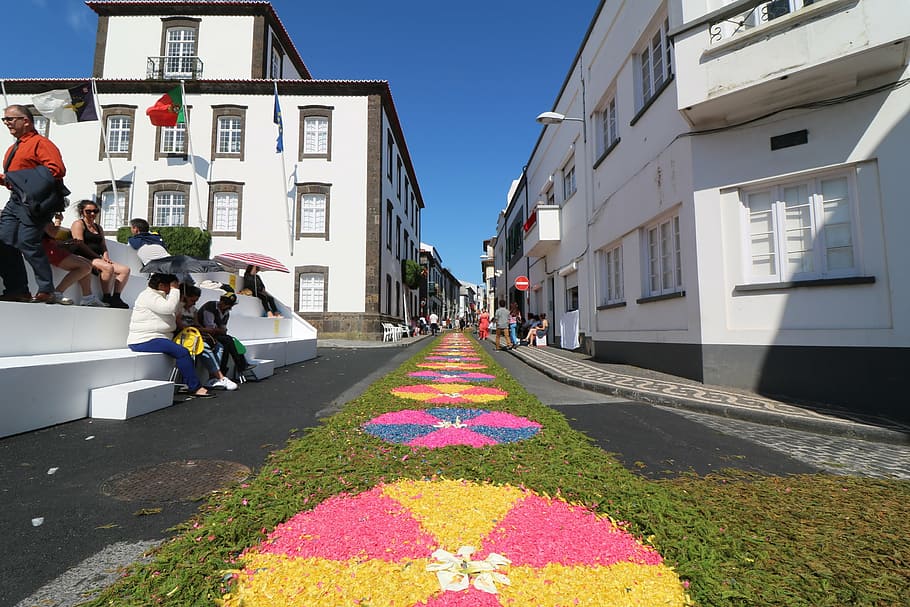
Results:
275 66
168 203
229 135
388 224
398 238
41 123
180 52
312 213
609 276
170 209
113 211
117 121
390 145
388 294
313 210
569 187
571 298
801 230
397 298
316 131
754 17
172 140
228 131
398 181
311 287
224 208
608 132
654 64
664 257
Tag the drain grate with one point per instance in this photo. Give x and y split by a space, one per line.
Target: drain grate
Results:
180 481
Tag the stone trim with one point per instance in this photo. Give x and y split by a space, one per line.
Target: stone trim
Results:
102 187
174 22
225 111
324 270
168 185
373 227
307 111
108 111
313 188
159 154
216 187
260 59
100 46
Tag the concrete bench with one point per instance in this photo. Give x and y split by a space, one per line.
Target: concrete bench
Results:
130 399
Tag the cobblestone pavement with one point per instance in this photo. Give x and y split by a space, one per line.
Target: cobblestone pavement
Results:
834 454
662 389
832 443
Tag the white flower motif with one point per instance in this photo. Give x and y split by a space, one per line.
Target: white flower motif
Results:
447 424
454 571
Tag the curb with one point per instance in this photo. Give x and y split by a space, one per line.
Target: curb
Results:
832 427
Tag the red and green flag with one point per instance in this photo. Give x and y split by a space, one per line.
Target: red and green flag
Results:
168 110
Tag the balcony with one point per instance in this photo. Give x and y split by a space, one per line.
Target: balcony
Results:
754 56
173 68
542 230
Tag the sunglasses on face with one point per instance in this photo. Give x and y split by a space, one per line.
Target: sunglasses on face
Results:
11 119
90 212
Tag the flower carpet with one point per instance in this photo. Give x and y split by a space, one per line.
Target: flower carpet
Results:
439 542
415 543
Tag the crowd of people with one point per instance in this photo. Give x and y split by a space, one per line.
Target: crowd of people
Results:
509 323
165 309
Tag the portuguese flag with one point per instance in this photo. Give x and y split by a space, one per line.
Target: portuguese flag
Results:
168 110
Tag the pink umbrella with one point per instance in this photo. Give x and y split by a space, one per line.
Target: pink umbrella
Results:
241 260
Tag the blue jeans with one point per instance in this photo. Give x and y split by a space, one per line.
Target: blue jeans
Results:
513 332
184 361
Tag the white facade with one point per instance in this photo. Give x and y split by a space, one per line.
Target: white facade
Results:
730 209
321 207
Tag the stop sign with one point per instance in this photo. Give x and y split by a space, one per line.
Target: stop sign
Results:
522 283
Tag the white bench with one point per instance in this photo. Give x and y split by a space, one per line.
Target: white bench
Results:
130 399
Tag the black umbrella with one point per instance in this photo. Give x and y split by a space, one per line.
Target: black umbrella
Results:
181 264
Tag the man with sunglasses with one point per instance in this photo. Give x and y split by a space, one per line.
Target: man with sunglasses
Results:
20 233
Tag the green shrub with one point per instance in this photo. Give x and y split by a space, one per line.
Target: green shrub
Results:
411 273
180 240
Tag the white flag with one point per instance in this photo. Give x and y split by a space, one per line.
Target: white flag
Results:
66 106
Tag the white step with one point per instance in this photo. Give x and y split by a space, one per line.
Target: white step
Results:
130 399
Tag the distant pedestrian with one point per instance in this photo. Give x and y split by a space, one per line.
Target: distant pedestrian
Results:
434 323
501 317
514 321
483 326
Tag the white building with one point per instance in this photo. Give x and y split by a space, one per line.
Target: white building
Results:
725 200
340 208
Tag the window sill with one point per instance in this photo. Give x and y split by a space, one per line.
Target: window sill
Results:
653 98
796 284
618 304
663 297
607 152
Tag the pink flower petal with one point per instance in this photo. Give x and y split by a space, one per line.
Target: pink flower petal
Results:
408 416
538 531
501 419
445 437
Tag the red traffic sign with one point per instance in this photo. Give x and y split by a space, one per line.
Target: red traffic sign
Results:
522 283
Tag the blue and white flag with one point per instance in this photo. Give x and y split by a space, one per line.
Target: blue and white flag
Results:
279 144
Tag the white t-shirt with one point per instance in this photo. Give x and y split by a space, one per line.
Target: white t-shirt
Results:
434 319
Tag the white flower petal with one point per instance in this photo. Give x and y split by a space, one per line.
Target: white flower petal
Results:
484 582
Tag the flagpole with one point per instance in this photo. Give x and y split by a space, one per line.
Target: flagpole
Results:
284 186
107 153
3 86
189 149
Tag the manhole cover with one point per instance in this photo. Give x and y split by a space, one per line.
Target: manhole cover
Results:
174 481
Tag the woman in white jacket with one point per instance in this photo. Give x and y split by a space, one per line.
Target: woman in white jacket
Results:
152 325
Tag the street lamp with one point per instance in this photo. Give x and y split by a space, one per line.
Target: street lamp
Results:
556 118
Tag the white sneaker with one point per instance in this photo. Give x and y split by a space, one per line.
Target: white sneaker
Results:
226 383
61 299
92 302
212 383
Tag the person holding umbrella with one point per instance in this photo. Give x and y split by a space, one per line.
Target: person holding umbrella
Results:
252 282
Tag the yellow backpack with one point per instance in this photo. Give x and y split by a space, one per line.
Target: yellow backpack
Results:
191 339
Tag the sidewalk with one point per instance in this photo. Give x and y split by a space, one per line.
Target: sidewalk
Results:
580 370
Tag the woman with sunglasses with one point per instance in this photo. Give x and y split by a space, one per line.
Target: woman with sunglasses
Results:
86 229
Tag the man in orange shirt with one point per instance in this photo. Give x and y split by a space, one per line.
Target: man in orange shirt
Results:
20 233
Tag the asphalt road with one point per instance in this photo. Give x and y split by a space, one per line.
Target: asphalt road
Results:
74 478
102 487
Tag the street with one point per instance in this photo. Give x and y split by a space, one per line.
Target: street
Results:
113 489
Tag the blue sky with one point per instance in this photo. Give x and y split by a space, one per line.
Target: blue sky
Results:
468 79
